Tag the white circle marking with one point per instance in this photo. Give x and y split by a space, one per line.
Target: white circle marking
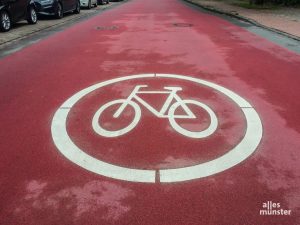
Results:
233 157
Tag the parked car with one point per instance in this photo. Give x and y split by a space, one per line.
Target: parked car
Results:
57 8
88 3
101 2
12 11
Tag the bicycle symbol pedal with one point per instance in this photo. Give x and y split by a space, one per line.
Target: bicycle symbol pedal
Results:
167 111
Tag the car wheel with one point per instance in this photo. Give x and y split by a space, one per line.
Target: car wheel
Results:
96 3
31 16
77 9
59 11
90 4
101 2
5 21
107 1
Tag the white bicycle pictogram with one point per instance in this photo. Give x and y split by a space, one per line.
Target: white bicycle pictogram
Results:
167 111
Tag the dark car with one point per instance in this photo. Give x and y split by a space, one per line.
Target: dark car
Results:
12 11
57 7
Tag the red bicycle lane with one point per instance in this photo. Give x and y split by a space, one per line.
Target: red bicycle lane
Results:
39 185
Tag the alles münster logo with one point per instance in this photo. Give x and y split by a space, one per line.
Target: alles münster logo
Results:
273 209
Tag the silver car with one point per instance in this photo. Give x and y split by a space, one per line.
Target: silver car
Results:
88 3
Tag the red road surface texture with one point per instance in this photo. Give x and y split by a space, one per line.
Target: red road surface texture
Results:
40 185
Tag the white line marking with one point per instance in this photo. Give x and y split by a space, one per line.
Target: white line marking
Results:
239 153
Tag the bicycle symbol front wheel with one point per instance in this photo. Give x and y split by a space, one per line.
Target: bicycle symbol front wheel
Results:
193 134
108 133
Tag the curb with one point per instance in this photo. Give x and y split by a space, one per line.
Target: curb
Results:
237 16
41 29
73 18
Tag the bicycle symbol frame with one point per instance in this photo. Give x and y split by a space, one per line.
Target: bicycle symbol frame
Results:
240 152
172 95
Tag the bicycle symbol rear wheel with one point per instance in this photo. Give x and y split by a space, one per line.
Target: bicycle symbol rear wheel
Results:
108 133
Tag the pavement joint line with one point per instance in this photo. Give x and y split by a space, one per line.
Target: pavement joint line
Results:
243 18
157 176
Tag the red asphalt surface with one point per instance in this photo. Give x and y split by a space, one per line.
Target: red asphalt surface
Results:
40 186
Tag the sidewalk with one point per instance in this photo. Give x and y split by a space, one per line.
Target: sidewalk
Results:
285 19
22 29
